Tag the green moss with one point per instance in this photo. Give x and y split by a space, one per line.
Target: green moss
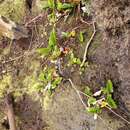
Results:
47 101
4 85
32 78
23 83
30 83
13 9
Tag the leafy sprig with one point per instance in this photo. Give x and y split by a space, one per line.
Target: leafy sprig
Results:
48 80
100 99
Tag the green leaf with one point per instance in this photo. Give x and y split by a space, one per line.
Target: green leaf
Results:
65 34
64 6
81 38
78 61
109 88
91 101
44 51
42 76
87 91
56 53
49 75
52 17
67 5
37 87
74 60
95 109
71 55
51 4
59 5
56 82
110 101
52 39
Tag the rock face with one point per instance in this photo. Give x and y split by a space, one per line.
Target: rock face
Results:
11 30
110 60
113 19
66 112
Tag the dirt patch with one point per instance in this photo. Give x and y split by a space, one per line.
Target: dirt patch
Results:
29 114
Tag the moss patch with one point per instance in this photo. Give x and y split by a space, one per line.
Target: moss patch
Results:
13 9
4 85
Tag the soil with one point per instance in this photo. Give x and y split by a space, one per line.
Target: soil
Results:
108 58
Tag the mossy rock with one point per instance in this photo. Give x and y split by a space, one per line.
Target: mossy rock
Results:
13 9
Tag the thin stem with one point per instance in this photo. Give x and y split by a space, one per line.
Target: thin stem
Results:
16 58
31 41
84 94
118 115
83 21
78 93
10 45
34 19
88 44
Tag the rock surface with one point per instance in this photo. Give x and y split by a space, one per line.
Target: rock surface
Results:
113 19
108 57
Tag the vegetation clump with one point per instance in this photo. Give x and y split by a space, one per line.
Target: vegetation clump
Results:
100 99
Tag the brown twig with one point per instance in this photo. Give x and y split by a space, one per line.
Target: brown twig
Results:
78 93
10 112
88 44
34 19
83 21
118 115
